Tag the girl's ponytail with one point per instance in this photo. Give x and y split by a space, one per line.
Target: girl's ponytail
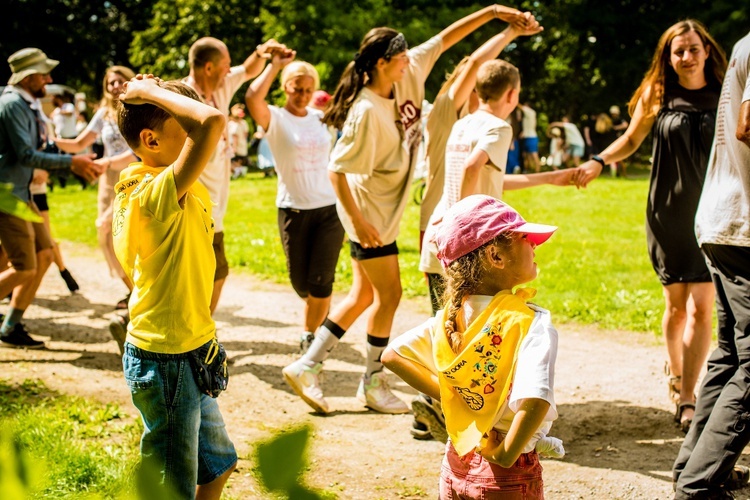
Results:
347 90
375 45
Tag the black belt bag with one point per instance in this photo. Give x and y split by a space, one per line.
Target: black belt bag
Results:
209 364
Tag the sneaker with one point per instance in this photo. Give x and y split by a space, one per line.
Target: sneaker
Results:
19 337
69 281
118 327
376 395
420 431
304 382
429 412
305 342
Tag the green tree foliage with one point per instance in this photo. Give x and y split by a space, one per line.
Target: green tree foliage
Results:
162 48
84 36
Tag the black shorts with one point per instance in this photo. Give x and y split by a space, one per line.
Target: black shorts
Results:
358 252
312 241
40 200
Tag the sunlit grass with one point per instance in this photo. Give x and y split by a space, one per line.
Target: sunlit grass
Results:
594 270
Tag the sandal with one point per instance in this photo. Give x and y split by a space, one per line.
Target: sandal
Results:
679 410
738 478
672 383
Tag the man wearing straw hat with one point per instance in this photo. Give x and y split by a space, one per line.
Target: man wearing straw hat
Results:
23 134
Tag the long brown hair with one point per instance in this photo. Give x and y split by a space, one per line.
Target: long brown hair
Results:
463 277
661 73
373 47
108 100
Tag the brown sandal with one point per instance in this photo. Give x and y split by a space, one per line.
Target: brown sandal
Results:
680 408
672 383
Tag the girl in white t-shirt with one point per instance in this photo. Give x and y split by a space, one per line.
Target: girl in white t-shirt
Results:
377 106
489 357
310 230
117 156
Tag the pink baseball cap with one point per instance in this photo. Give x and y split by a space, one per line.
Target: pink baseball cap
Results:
477 219
320 98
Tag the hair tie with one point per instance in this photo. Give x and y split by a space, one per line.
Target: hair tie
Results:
396 46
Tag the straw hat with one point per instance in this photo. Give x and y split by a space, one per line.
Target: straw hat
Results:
27 62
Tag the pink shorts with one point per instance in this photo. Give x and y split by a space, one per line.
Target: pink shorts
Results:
473 477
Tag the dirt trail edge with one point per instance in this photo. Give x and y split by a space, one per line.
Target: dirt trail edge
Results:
615 418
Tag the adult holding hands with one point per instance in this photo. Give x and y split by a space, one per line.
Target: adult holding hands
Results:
677 99
309 227
23 136
216 81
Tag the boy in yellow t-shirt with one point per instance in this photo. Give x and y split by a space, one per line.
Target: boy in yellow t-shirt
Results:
163 232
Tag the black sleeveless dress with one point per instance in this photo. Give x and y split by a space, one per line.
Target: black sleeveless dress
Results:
683 133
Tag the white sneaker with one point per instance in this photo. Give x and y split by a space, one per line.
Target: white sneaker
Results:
376 395
304 381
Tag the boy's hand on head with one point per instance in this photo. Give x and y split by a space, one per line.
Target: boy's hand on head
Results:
138 88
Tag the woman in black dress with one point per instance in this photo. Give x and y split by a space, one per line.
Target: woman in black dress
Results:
677 99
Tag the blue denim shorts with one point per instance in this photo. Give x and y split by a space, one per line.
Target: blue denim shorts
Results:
183 430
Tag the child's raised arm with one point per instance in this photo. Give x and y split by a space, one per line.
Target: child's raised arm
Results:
202 123
463 27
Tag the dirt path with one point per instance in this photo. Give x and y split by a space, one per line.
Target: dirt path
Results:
615 418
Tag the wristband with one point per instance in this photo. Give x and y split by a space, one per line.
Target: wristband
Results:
599 159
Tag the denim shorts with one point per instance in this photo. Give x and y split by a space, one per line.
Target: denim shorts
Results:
184 433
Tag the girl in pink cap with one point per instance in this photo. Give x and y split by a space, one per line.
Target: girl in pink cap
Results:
489 356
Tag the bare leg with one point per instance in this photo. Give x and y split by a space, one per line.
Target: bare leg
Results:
316 310
673 324
384 275
212 490
57 256
358 299
25 292
218 285
696 340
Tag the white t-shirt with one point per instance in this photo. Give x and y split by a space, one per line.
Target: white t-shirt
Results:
378 145
723 215
572 135
528 123
300 147
238 130
535 367
65 119
480 130
218 171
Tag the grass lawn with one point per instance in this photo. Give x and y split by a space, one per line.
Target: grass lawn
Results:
71 446
595 270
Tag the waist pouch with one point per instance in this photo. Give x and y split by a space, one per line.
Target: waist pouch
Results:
209 364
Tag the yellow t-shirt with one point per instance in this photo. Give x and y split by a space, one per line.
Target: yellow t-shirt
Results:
167 251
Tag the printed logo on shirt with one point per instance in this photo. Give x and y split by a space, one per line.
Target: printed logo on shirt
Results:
410 115
118 222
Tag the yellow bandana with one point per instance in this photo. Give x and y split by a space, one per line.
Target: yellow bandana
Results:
475 383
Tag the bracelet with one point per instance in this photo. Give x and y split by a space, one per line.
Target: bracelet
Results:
599 159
